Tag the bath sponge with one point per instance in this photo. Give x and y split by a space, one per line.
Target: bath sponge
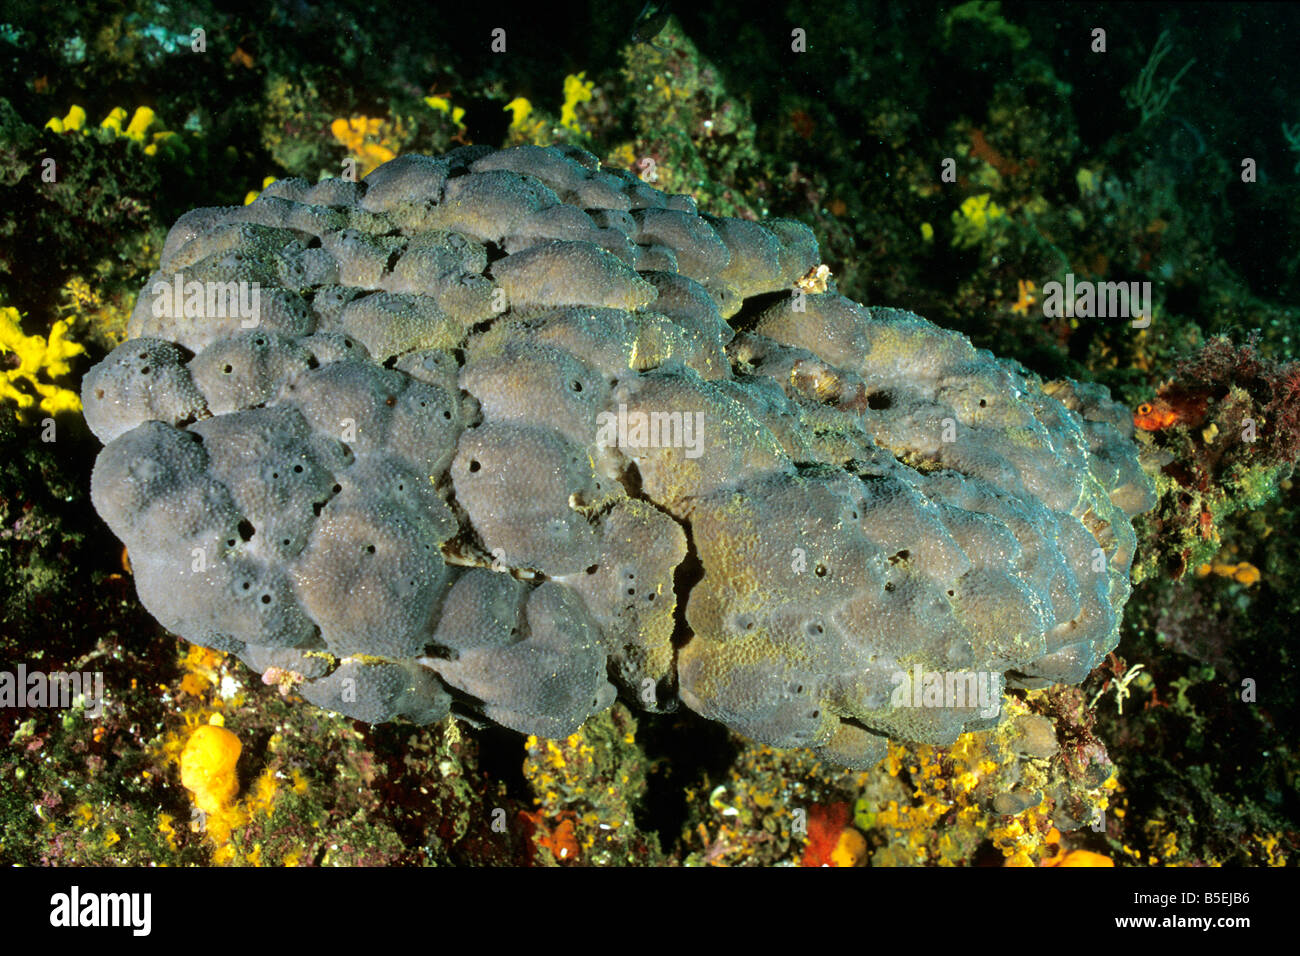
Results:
505 434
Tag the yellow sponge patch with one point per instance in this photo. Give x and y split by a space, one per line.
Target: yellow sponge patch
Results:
37 355
208 767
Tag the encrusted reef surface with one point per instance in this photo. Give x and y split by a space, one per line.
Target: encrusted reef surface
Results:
509 433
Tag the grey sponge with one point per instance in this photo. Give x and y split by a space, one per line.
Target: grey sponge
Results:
508 433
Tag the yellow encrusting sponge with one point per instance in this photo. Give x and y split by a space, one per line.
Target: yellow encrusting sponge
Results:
208 767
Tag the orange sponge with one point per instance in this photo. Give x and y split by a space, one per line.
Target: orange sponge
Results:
208 767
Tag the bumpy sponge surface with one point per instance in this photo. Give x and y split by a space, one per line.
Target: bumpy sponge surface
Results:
509 433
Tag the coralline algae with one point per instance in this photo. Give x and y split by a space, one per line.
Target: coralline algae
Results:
508 433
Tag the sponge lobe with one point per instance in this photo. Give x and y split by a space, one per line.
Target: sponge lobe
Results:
546 676
144 379
523 488
485 440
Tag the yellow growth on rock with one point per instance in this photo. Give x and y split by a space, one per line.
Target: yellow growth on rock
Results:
366 139
208 767
135 130
1243 572
850 849
577 90
73 122
252 194
37 356
972 222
